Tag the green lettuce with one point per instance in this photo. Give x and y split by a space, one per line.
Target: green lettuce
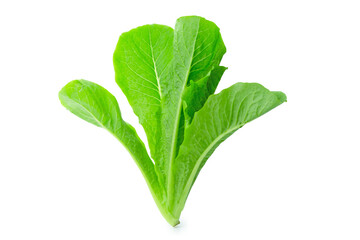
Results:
169 77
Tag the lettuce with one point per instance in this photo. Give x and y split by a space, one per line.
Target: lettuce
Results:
169 77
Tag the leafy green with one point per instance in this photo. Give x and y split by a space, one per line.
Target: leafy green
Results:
142 60
220 117
169 78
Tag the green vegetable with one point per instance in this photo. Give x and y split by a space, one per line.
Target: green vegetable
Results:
169 78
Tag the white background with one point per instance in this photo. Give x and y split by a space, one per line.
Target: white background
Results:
292 174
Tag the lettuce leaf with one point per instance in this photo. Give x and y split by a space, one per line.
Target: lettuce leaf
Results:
169 77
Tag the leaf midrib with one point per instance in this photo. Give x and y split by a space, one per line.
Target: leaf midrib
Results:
154 63
198 162
177 121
